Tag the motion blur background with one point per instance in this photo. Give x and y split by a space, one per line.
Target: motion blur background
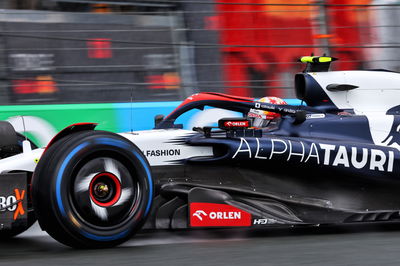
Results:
83 51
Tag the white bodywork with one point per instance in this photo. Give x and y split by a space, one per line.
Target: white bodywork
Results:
161 147
166 146
377 92
25 161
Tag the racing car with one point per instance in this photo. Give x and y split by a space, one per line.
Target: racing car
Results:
332 160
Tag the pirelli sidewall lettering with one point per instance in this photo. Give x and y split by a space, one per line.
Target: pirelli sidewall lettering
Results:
329 154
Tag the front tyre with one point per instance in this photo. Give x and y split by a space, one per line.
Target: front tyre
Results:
92 189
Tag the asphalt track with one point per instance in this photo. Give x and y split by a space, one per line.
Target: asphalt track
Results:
337 245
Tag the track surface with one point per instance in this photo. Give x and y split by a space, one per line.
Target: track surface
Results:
354 245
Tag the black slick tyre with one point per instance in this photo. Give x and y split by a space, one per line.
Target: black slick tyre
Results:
92 189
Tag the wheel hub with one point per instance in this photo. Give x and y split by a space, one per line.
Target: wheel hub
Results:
105 189
105 192
101 190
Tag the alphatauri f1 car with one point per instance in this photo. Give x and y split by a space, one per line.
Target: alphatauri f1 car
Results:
334 160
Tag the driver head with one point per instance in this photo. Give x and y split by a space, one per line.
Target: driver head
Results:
263 118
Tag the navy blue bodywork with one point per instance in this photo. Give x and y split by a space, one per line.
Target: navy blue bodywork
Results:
318 166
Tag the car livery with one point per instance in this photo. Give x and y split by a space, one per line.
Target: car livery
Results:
332 161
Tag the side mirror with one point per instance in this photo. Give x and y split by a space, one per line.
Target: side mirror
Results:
300 117
158 119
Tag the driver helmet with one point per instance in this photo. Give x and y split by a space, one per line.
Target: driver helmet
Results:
263 118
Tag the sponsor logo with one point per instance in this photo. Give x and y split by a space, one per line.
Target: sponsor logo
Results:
274 108
318 153
160 153
13 203
263 221
255 115
236 124
314 116
199 214
394 135
213 214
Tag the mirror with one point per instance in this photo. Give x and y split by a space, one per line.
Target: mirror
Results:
158 119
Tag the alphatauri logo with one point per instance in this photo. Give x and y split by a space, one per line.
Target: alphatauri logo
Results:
213 214
394 134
